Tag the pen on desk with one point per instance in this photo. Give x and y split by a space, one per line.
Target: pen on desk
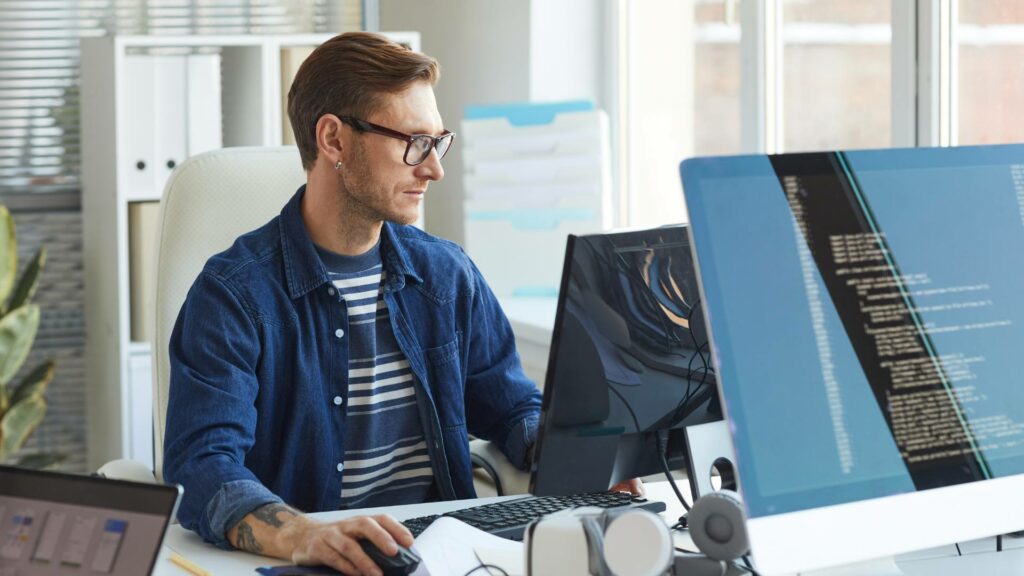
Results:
189 565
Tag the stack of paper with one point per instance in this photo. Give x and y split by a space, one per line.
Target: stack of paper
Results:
450 547
534 173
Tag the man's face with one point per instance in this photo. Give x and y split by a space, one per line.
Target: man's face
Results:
375 178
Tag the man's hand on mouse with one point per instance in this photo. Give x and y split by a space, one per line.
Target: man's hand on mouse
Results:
336 544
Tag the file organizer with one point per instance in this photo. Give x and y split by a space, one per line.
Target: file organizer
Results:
534 173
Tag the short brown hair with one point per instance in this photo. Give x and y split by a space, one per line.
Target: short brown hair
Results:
347 75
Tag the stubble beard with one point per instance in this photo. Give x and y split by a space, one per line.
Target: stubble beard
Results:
364 197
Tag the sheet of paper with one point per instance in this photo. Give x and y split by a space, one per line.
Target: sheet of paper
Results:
448 547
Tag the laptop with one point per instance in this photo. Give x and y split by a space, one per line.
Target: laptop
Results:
52 522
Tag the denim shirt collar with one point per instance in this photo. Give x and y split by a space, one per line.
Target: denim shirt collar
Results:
305 272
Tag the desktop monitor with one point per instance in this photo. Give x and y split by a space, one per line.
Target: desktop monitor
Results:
867 314
54 523
629 360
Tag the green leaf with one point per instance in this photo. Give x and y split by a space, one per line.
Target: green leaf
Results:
41 461
19 423
8 253
35 383
17 333
29 280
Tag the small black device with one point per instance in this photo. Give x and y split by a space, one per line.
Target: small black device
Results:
629 366
404 562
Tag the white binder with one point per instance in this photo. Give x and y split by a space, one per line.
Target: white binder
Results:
534 173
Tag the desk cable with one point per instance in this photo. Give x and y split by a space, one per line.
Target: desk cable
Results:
488 568
662 449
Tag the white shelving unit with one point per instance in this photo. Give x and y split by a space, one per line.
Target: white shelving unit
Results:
147 103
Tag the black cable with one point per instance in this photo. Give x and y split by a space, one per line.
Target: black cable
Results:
999 543
748 565
662 449
689 368
478 461
958 552
628 407
488 567
685 551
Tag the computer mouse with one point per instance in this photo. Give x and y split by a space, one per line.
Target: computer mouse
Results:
401 564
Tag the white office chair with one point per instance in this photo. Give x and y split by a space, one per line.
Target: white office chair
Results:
210 200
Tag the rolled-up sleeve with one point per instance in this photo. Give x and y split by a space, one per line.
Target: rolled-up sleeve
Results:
211 416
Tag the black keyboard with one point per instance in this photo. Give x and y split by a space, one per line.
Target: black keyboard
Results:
508 519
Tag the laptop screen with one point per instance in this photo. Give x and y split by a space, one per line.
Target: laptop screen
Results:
61 523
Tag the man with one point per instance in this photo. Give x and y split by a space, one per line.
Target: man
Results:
338 357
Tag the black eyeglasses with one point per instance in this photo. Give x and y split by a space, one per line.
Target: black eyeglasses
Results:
418 146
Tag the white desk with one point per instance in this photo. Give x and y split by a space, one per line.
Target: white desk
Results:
978 556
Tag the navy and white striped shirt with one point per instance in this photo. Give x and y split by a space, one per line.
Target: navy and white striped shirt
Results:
386 460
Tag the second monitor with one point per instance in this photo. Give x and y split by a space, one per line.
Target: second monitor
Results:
629 362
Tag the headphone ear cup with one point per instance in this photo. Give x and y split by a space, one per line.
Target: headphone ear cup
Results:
638 543
717 525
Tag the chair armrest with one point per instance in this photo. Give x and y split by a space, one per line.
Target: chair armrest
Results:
507 478
127 470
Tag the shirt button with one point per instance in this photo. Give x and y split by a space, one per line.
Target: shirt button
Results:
339 332
338 400
340 466
330 291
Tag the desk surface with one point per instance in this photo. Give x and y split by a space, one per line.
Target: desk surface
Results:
978 556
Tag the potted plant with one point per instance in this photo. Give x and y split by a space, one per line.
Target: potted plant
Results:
22 405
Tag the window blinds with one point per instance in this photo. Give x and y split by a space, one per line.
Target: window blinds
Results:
39 134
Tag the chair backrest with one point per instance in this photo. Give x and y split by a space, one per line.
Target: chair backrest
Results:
210 200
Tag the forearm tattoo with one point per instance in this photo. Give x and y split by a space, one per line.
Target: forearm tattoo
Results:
269 514
246 540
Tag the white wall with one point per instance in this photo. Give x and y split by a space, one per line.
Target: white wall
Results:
495 51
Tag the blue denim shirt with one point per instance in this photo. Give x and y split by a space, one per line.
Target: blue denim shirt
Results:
257 358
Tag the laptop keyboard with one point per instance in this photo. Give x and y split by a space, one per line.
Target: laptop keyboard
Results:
509 519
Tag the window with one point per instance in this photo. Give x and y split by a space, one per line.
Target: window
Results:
837 74
704 77
716 78
681 99
39 150
990 85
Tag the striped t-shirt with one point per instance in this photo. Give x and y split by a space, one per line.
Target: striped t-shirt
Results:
386 460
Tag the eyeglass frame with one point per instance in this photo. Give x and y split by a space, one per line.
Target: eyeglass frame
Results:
364 126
